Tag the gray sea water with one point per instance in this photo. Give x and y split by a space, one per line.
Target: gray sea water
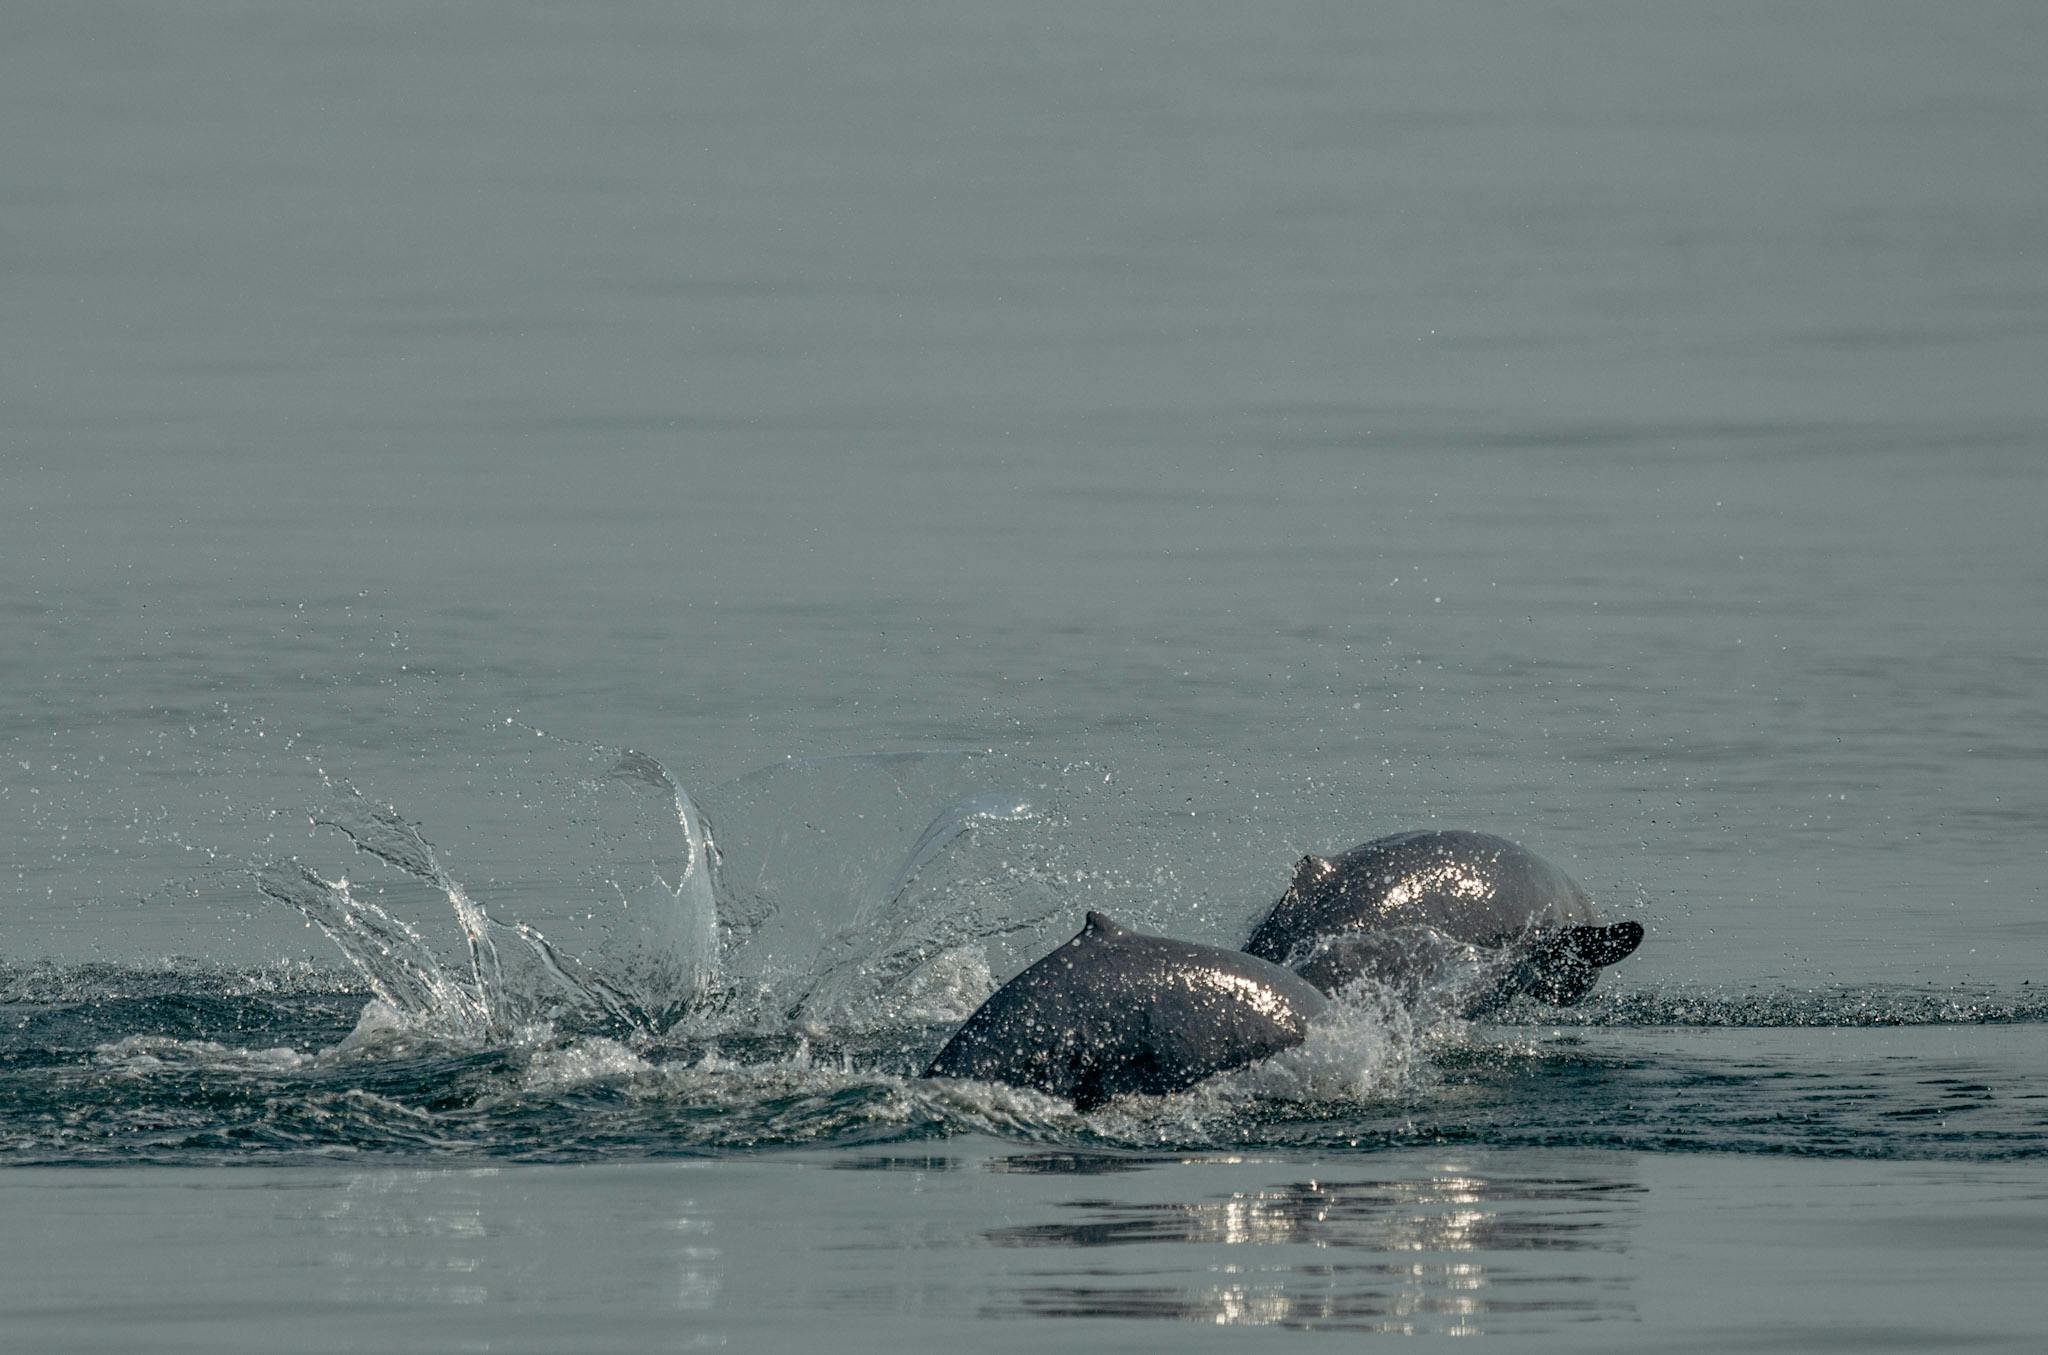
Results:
579 583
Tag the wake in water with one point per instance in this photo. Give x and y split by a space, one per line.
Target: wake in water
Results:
633 972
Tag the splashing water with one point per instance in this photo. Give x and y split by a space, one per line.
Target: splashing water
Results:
846 903
499 998
902 933
662 948
617 981
657 959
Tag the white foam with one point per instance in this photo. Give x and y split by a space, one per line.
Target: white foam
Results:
1364 1047
996 1107
595 1059
141 1055
945 991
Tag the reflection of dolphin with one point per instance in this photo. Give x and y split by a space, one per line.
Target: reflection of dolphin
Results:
1358 914
1114 1011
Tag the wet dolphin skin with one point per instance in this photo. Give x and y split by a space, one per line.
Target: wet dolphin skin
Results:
1472 888
1114 1011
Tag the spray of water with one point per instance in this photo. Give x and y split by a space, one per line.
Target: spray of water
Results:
830 923
514 980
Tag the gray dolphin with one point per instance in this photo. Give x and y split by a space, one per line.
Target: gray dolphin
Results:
1363 912
1115 1011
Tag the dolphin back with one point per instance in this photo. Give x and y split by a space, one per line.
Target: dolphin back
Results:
1340 914
1114 1011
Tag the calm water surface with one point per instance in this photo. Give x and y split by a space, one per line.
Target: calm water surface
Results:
976 1243
980 464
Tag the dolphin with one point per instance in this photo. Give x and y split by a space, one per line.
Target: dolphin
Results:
1115 1011
1376 909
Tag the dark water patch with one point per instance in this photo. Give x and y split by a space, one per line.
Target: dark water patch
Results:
1074 1164
50 982
1832 1008
895 1162
57 1029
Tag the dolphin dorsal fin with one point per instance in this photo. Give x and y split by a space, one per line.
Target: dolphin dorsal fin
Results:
1311 871
1098 925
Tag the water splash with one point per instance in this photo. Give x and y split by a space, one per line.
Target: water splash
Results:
1416 967
831 919
665 886
860 891
906 930
390 955
515 981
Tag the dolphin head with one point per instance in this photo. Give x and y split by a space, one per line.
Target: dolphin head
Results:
1560 967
